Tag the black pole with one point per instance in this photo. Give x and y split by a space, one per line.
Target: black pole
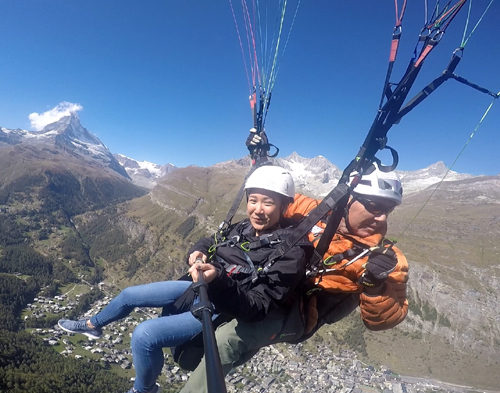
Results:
203 310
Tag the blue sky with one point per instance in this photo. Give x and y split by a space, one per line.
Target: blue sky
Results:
164 81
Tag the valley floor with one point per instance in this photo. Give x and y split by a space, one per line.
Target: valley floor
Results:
277 369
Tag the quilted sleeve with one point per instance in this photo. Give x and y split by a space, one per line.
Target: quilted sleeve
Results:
301 207
390 307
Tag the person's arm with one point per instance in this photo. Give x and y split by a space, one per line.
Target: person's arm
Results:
270 290
386 306
199 250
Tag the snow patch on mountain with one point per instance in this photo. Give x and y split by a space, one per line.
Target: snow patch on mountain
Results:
318 176
144 173
414 181
315 176
67 131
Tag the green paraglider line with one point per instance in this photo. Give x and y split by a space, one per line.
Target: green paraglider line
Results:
263 66
464 40
449 169
241 46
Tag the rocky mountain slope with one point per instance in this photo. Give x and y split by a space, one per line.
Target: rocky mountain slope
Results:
63 162
64 136
451 243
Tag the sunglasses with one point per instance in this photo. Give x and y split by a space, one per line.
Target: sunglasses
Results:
375 208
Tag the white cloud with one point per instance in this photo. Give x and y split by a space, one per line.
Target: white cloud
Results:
40 120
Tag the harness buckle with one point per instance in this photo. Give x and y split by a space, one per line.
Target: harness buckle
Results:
232 269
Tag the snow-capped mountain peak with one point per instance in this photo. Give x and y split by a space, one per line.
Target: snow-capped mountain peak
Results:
144 173
420 179
69 131
67 134
71 127
318 176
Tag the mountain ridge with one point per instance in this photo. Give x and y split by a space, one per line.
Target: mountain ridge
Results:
316 176
66 134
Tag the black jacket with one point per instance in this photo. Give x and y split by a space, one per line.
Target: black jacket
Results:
234 292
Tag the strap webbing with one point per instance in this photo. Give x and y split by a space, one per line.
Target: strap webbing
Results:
427 90
327 236
328 204
237 201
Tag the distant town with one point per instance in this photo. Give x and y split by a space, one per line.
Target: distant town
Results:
276 369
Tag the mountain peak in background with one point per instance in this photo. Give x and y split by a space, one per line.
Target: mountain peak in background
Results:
418 180
144 173
63 166
71 129
66 134
316 176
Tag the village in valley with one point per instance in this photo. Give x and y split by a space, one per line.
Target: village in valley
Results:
276 369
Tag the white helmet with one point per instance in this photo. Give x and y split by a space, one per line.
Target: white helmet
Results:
380 184
272 178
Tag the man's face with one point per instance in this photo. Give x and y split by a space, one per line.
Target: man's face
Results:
368 215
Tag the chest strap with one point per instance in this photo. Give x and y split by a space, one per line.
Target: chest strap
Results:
269 239
348 254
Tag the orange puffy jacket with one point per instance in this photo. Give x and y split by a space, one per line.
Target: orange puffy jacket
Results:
379 312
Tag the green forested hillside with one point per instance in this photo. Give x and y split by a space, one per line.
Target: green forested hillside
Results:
41 252
28 365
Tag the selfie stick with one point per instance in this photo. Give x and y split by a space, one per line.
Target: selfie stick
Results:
203 311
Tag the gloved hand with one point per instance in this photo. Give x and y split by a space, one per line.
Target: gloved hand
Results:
255 140
378 268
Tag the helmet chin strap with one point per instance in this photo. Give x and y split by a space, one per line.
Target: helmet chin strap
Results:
346 214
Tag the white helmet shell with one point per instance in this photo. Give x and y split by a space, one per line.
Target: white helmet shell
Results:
386 185
272 178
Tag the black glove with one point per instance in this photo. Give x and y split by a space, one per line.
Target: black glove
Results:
255 140
378 267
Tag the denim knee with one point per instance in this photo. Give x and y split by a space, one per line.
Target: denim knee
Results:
141 339
125 295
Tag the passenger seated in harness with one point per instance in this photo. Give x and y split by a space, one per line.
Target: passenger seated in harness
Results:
361 268
235 289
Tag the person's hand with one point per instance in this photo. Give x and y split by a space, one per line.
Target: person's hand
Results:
196 255
254 139
209 272
378 268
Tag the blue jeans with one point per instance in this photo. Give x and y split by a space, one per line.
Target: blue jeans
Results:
150 336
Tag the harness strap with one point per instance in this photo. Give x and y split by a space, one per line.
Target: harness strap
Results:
427 90
261 241
235 269
237 201
326 205
269 239
327 236
396 36
233 241
334 259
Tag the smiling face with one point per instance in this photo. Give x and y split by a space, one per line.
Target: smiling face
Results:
367 217
263 209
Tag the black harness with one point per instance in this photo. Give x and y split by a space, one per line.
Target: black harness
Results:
245 243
